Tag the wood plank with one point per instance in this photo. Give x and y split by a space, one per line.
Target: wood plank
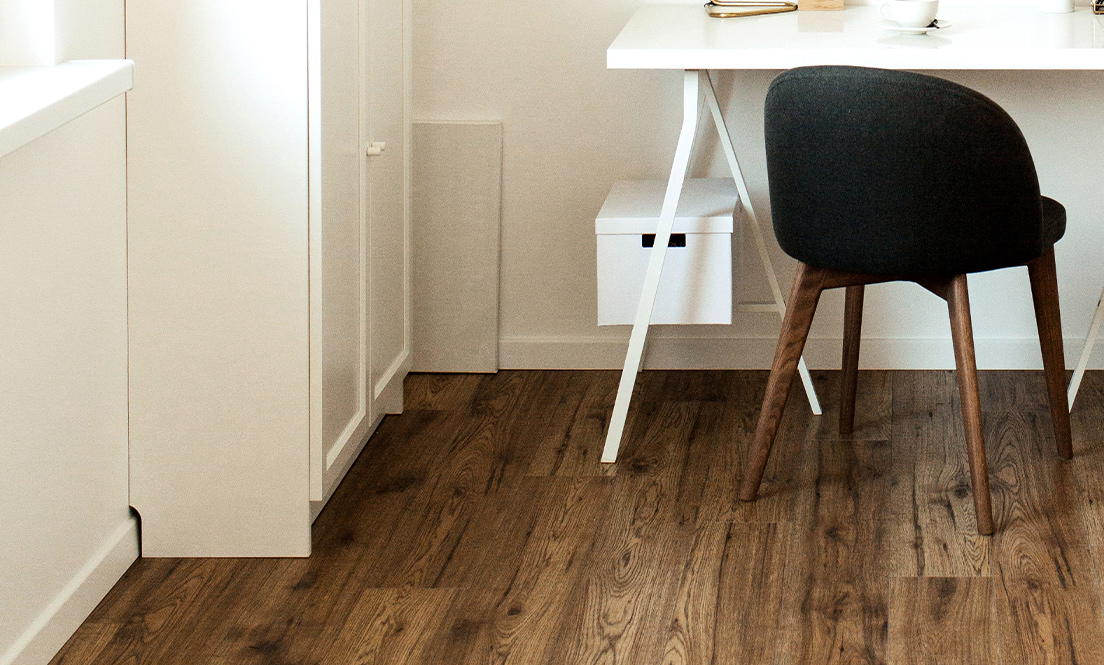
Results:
520 622
835 598
1087 423
141 583
749 593
726 457
729 596
390 627
623 602
690 637
489 553
936 620
1046 594
433 391
1041 537
570 435
873 407
469 467
85 645
1046 624
300 611
171 630
1012 390
933 530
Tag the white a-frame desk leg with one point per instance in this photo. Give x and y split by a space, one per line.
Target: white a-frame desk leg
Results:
1083 363
756 230
634 356
655 266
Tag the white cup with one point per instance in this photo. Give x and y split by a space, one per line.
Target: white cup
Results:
910 13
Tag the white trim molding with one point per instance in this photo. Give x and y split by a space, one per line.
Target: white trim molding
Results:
71 606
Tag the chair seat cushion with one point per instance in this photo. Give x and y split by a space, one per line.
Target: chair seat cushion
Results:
1054 221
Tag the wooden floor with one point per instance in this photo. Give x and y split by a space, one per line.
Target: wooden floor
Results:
478 527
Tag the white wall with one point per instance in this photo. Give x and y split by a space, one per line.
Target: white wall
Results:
572 128
66 534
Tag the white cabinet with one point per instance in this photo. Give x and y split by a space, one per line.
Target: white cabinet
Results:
269 275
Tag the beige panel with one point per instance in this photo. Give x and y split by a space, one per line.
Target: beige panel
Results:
456 216
217 186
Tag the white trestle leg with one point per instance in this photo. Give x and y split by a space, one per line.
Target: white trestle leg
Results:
634 357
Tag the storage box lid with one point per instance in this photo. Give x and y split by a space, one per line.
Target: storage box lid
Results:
633 206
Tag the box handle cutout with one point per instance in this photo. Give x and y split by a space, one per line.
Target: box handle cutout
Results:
677 240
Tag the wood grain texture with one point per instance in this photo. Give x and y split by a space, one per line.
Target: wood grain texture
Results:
1047 597
1044 623
620 607
836 591
1041 538
933 532
389 627
478 528
937 620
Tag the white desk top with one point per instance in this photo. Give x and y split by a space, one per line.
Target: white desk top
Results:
684 37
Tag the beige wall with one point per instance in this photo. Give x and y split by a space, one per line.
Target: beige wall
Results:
572 128
67 532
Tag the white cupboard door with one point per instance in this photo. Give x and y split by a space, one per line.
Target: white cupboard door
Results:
339 247
386 36
218 259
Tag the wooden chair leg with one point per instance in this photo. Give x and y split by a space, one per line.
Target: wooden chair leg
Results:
804 295
852 333
958 305
1044 293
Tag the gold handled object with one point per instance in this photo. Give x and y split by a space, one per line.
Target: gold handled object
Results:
737 8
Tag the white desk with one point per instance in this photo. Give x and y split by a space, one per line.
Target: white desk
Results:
683 37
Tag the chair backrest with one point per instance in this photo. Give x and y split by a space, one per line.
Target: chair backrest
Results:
889 172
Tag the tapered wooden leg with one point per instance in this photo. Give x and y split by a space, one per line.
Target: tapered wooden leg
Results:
804 295
1044 292
852 333
958 304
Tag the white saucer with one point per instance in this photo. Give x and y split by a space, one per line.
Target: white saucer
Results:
905 30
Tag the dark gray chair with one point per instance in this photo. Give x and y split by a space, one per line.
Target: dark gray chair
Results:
878 176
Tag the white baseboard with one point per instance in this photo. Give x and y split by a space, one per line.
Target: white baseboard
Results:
756 353
65 613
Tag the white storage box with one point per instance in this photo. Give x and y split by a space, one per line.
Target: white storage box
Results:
696 284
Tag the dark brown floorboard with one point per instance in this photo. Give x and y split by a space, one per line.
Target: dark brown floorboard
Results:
479 528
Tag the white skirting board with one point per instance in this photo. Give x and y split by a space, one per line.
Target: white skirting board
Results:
757 353
456 217
60 619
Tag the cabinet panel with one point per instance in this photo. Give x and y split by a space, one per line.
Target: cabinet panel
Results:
339 271
386 38
218 258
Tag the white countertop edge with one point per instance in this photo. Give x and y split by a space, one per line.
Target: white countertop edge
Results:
779 59
37 100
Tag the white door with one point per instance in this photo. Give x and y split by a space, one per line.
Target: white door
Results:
340 418
386 44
